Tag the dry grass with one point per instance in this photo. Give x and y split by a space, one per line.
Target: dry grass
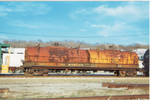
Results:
66 87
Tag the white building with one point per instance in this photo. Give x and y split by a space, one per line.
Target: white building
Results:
16 57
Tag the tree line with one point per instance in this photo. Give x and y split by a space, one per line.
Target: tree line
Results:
73 44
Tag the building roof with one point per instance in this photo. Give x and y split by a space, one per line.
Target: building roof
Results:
4 45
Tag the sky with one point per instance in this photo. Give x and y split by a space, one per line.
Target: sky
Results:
114 22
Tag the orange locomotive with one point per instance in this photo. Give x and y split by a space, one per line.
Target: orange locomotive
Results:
42 60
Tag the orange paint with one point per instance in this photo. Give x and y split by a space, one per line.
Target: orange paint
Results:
113 57
57 56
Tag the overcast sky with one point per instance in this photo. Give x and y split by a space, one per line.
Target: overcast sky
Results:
90 22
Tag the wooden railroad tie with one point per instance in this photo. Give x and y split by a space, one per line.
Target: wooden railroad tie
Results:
4 90
129 86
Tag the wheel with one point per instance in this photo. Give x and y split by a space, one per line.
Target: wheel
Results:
146 73
122 73
84 72
29 72
45 73
38 72
116 73
66 71
134 73
129 73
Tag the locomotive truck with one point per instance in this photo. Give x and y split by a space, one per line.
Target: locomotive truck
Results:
42 60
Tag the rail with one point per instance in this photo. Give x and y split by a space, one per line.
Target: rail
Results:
117 97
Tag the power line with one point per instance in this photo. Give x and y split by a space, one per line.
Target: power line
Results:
72 36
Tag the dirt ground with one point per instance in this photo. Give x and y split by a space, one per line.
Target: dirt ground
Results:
52 87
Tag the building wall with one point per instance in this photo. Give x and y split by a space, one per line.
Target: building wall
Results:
16 57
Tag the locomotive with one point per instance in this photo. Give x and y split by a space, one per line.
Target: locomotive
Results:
42 60
146 63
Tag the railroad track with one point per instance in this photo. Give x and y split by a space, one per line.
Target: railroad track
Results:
120 97
67 76
112 97
123 85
